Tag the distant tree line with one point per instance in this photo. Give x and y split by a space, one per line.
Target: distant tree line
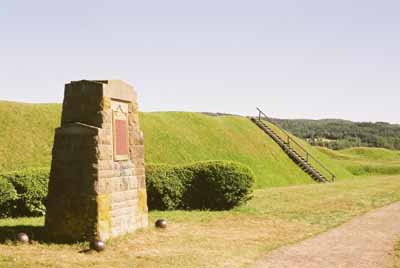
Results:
340 134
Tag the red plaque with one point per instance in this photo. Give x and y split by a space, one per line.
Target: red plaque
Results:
120 133
121 137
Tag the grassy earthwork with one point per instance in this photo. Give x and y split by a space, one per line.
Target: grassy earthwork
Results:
275 217
180 138
287 206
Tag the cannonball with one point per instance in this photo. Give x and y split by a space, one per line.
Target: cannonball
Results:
98 245
23 238
162 224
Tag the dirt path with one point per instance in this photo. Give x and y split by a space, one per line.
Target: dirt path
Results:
365 242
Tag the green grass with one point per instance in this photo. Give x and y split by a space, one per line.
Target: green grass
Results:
275 217
352 163
180 138
365 161
26 134
377 154
174 138
397 255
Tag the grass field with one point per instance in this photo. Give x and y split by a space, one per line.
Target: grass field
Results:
26 134
179 138
353 163
276 216
377 154
397 255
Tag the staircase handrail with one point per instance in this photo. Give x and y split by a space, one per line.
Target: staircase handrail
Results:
289 139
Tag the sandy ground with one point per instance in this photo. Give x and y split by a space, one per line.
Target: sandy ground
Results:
365 242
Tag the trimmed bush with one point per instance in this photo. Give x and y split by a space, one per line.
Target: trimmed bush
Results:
166 186
8 196
212 185
31 186
219 185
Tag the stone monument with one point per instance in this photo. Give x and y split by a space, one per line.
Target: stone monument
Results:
97 187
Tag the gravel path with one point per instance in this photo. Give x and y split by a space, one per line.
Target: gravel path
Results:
365 242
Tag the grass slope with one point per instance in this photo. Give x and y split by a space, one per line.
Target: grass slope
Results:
377 154
26 134
275 217
354 162
27 130
178 138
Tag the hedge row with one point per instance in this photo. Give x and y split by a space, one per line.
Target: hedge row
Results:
8 197
23 193
213 185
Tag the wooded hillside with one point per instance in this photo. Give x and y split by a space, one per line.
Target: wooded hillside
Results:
340 134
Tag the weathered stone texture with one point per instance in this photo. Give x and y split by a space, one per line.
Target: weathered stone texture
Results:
91 194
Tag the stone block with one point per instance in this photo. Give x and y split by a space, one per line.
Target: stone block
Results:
139 171
105 164
137 151
94 192
121 212
123 204
142 200
141 182
117 197
105 173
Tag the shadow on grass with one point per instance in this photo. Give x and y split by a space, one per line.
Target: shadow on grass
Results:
8 234
35 233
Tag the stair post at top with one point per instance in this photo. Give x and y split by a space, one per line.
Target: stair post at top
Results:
291 151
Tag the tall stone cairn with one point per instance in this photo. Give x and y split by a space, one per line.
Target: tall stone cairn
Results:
97 187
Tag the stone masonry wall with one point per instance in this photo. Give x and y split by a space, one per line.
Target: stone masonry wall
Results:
91 194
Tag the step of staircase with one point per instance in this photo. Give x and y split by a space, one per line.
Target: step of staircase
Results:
291 152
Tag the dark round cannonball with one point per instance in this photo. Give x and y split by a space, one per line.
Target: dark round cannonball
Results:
23 238
162 224
98 245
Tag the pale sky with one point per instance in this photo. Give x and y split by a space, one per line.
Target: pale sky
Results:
295 59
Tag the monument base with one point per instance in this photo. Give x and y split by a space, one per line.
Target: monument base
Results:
97 187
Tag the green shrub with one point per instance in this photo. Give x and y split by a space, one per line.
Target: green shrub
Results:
31 186
166 186
8 196
219 185
212 185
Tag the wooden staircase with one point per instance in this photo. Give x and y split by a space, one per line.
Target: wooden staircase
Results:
294 150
